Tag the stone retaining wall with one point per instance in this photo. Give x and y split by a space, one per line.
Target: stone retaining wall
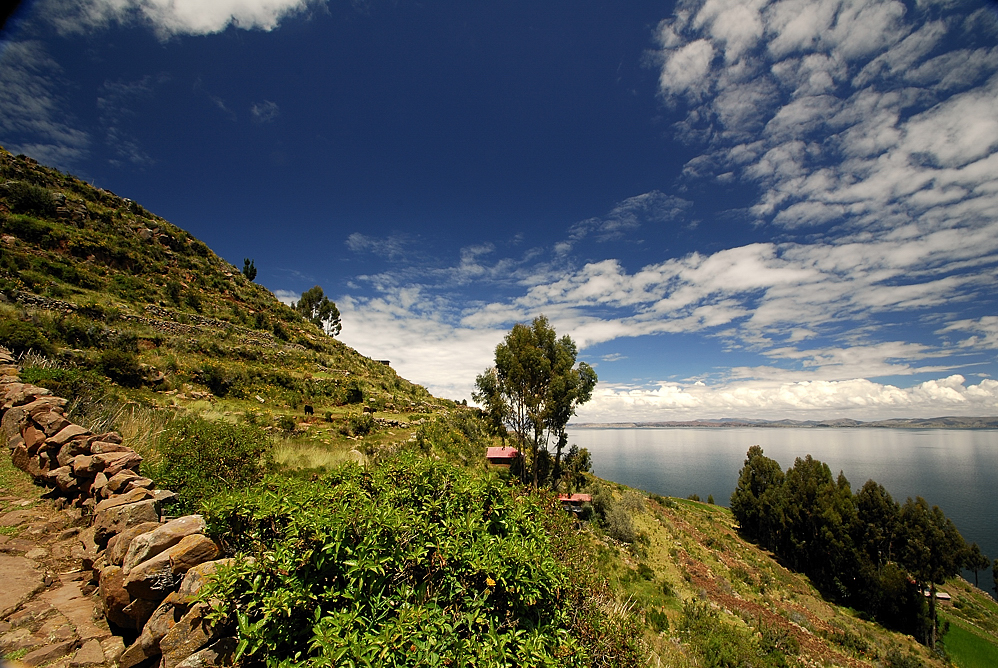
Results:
145 571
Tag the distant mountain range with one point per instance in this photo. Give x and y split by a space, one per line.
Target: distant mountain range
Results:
897 423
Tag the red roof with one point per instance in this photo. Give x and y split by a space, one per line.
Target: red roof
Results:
575 498
502 453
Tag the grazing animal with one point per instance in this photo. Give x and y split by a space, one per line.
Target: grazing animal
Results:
309 410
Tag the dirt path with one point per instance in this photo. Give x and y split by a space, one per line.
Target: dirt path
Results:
47 614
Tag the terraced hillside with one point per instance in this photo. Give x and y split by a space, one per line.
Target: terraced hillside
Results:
93 280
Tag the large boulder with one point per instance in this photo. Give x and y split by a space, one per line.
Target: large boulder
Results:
67 433
33 438
50 421
71 450
150 544
115 519
198 575
25 461
114 597
219 653
157 576
112 463
118 546
191 633
134 496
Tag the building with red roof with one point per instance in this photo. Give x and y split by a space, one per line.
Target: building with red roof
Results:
503 456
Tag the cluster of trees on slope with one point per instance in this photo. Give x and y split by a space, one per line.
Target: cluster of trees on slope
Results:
533 390
864 549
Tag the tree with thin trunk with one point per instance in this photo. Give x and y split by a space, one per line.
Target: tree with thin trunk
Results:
534 388
933 550
315 307
975 560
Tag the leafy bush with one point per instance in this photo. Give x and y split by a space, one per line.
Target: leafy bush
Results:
362 424
71 384
895 659
218 379
353 394
719 645
410 563
20 336
201 458
121 366
28 198
286 423
619 525
460 437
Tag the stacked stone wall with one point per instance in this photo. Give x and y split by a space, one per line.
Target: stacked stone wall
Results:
144 570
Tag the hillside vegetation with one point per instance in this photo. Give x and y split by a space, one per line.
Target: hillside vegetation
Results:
381 537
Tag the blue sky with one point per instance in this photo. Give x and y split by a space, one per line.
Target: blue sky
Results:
736 209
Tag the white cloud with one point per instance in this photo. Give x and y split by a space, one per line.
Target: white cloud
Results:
856 398
173 17
984 330
32 109
868 111
287 296
264 112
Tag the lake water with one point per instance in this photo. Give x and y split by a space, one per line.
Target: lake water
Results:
954 469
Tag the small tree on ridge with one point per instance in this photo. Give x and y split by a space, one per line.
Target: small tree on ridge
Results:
315 307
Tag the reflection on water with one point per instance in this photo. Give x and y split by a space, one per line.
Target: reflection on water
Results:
956 470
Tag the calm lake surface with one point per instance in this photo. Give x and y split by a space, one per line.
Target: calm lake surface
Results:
954 469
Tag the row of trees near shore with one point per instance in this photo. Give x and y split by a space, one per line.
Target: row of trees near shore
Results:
865 549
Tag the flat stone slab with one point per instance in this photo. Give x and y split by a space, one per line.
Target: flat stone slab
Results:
21 580
78 609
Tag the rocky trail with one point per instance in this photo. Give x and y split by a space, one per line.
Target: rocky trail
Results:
49 613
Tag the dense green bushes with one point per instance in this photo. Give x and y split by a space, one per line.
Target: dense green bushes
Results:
412 563
200 459
71 384
20 336
719 645
865 550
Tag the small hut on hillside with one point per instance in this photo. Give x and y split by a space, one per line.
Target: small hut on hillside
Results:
503 456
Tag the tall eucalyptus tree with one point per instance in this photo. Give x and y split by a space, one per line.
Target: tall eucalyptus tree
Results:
535 387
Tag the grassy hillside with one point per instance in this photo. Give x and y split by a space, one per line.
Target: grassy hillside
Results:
150 333
93 281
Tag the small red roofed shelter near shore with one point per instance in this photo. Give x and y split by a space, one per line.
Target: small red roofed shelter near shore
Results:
501 456
573 502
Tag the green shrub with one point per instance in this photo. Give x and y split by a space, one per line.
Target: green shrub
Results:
410 563
121 366
619 525
71 384
362 424
218 379
20 336
200 459
895 659
657 619
286 423
28 198
719 645
353 394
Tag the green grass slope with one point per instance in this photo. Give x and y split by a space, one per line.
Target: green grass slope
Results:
96 281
